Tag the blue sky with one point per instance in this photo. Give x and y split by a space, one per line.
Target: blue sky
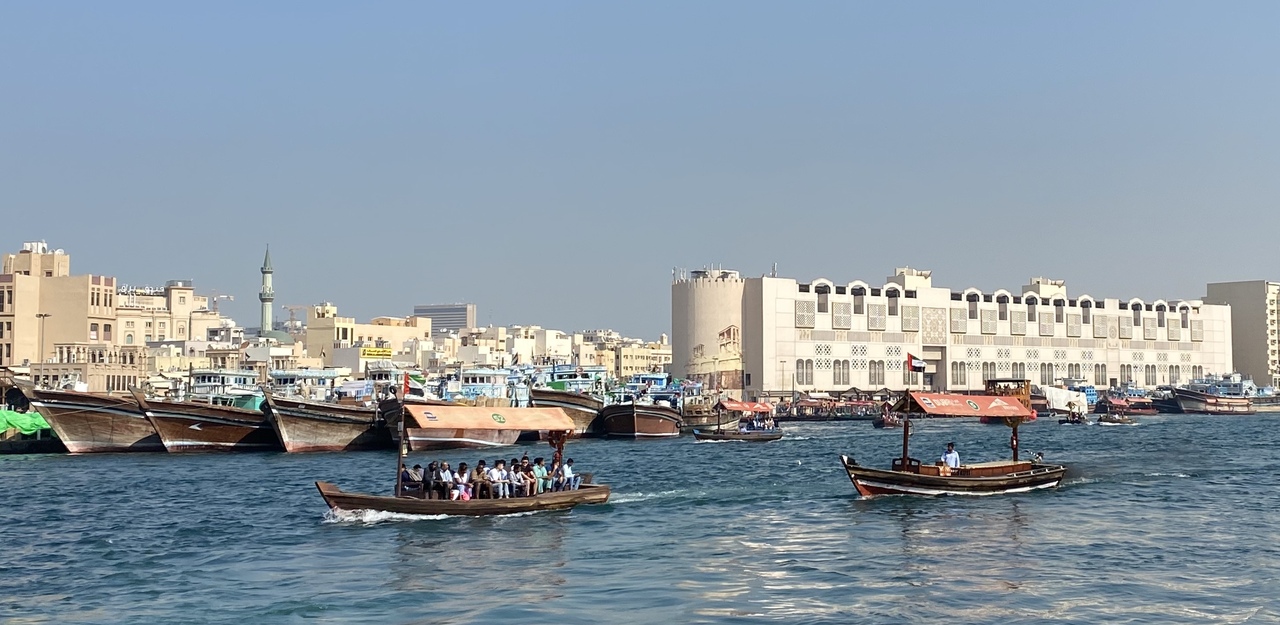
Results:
553 161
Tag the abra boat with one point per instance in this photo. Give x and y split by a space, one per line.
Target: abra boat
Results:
758 436
640 420
582 407
752 421
1116 419
92 423
207 426
419 501
908 476
440 426
304 426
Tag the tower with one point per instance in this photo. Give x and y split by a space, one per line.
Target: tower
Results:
267 295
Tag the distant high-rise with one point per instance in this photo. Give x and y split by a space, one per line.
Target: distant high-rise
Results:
449 317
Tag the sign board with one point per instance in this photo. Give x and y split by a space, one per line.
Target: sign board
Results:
375 352
126 289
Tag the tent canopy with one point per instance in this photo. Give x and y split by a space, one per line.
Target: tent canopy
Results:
947 405
488 418
744 406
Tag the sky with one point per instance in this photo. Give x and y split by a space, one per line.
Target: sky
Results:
554 161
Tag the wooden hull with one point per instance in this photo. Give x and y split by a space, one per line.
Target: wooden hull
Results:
562 500
1203 403
429 439
1115 419
738 436
640 421
583 409
90 423
186 426
873 482
304 426
709 421
881 423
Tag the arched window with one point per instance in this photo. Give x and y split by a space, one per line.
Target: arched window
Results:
128 339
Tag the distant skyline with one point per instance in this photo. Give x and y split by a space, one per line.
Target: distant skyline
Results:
553 162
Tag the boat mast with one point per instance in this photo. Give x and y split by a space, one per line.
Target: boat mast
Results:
906 418
402 452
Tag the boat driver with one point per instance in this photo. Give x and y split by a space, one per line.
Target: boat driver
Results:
950 459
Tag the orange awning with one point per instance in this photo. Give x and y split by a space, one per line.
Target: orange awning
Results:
744 406
943 404
488 418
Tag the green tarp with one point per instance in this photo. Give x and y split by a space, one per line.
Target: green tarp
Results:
26 422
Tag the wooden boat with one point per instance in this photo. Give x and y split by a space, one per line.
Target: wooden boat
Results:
430 427
581 407
886 421
908 476
632 420
1199 402
559 500
195 426
1074 419
304 426
1115 419
419 501
92 422
736 435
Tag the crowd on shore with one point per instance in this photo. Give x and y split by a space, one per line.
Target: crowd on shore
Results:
520 478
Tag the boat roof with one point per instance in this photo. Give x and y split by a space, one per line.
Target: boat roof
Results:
945 404
490 418
744 406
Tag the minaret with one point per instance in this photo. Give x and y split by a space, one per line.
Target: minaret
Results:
267 295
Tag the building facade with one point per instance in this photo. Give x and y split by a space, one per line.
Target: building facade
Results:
383 338
1255 315
448 317
770 336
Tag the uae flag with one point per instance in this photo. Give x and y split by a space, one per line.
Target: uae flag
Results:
915 364
405 392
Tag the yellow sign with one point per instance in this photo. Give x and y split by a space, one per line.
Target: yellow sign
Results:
382 353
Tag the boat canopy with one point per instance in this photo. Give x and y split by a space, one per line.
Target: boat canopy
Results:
947 405
744 406
490 418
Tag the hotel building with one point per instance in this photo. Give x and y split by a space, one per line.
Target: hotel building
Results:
448 317
769 336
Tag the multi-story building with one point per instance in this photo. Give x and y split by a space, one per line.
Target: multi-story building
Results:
769 336
1255 317
448 317
381 339
149 315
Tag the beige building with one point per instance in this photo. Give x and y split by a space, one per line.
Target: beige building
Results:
170 313
820 336
327 332
101 367
1255 316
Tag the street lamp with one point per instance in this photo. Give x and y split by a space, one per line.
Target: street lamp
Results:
42 317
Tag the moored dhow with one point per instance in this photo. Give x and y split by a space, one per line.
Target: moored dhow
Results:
304 426
639 420
205 426
94 423
1203 399
582 407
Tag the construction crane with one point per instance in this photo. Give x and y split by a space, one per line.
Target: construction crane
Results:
294 326
213 300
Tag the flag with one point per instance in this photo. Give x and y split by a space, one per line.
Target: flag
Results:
915 364
406 385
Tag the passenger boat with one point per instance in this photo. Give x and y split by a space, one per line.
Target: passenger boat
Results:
207 426
633 419
304 426
1075 419
908 476
888 420
441 426
743 413
1116 419
582 407
701 412
92 422
408 500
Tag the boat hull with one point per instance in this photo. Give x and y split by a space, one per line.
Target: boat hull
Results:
1204 403
560 500
759 437
90 423
311 426
190 427
871 482
708 421
640 421
583 409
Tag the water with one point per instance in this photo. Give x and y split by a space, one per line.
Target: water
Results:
1170 521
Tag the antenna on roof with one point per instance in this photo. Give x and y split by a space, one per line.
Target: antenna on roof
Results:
774 273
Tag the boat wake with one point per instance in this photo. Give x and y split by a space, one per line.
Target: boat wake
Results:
634 497
1184 475
374 517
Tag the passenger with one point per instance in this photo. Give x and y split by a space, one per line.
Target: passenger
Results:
500 480
415 474
444 480
429 479
406 480
519 484
462 483
542 482
530 482
568 479
480 486
950 460
557 480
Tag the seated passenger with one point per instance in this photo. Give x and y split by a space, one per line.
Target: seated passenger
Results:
444 480
568 479
557 478
462 483
542 482
415 474
480 487
499 480
519 484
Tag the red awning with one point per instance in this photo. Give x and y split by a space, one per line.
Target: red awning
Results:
744 406
943 404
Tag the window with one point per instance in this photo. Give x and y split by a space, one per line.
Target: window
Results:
1046 373
808 371
1031 307
1086 308
1175 372
1058 313
147 338
182 329
824 292
1003 300
1185 317
1100 374
128 339
973 308
988 371
1137 316
162 325
1019 370
876 373
106 332
958 374
1151 375
843 375
859 297
93 332
1160 317
147 324
892 294
182 299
